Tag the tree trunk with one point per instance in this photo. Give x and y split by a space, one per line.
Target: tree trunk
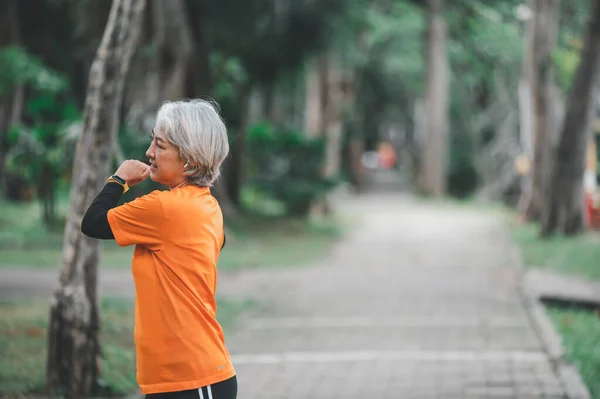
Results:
314 112
171 71
526 115
175 44
255 112
543 43
46 195
436 124
334 116
73 365
11 106
325 99
563 209
356 140
356 150
235 165
419 139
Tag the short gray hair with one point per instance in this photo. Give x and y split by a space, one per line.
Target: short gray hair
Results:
198 131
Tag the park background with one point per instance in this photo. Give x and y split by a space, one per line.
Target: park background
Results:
491 104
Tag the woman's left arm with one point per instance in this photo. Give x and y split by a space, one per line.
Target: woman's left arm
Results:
95 221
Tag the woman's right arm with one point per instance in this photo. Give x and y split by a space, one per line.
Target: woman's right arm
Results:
95 222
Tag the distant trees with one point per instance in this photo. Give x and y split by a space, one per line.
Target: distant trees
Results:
439 79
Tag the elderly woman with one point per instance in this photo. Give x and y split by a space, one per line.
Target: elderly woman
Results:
178 235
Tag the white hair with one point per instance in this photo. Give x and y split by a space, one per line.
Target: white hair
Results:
198 131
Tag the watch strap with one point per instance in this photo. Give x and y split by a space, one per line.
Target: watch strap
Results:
120 181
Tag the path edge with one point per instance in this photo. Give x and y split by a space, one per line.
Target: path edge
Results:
569 377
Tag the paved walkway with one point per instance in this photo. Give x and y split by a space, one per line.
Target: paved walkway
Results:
420 302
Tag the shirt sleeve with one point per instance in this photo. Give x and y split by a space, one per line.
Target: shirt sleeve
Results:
95 223
141 221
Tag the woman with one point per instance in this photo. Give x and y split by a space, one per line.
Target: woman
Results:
178 235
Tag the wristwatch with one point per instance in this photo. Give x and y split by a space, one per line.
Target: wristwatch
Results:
119 180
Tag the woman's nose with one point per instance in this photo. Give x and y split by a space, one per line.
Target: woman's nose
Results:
150 151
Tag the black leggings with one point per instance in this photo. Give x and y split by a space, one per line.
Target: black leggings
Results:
221 390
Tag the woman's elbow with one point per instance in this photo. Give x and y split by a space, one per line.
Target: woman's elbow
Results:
96 226
86 226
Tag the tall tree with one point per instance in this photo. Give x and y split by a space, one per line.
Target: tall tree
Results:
314 113
543 44
74 363
327 97
525 15
563 208
436 125
11 104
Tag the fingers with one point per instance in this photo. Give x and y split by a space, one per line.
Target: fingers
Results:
133 171
146 172
141 173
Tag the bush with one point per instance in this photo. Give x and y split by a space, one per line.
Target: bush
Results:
286 166
462 178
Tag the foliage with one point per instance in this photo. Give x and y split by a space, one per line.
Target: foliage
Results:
394 62
228 73
572 18
18 67
566 60
268 37
43 151
44 144
462 176
485 46
35 143
382 42
287 166
37 148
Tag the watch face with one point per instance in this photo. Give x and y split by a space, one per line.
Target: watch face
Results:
119 179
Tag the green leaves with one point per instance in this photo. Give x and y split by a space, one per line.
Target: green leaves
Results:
286 166
32 150
17 67
566 60
229 74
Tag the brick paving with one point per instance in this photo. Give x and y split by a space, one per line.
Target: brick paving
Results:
420 301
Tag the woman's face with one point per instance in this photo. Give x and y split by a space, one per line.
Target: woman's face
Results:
165 165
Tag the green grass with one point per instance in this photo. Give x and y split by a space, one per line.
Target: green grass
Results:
23 335
273 242
253 241
24 241
580 331
577 255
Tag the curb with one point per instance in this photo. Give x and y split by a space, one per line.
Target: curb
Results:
551 340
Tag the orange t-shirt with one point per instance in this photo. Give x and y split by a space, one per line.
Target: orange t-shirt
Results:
178 236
